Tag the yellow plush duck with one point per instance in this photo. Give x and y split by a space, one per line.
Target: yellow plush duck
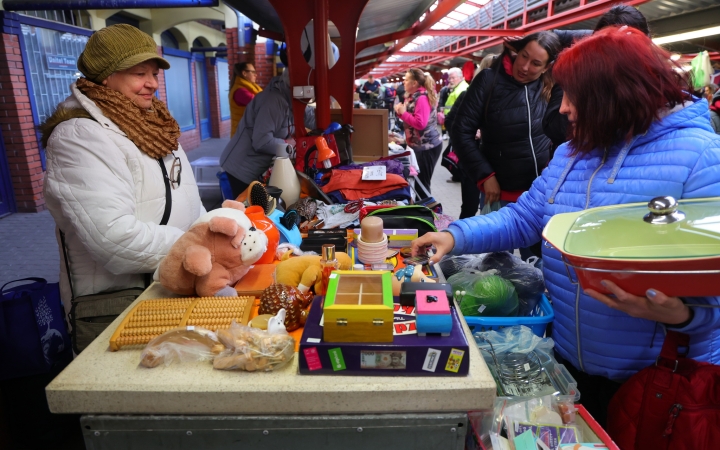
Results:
304 272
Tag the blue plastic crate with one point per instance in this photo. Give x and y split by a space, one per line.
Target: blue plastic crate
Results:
537 320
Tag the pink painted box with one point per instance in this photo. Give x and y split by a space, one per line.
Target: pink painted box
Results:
441 306
433 316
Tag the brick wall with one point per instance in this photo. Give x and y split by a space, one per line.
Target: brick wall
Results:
162 93
16 121
263 65
218 128
191 139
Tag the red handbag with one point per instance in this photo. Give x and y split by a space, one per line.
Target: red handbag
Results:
674 404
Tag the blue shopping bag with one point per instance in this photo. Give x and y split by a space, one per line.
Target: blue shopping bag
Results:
33 334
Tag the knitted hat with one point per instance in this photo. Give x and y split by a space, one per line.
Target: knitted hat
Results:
116 48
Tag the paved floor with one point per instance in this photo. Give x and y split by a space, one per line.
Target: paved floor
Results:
27 240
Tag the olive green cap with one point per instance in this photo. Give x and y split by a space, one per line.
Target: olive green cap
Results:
116 48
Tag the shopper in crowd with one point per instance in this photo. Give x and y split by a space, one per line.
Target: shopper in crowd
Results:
468 187
442 98
265 131
370 89
113 162
242 90
638 137
715 111
419 117
555 124
507 104
456 85
400 89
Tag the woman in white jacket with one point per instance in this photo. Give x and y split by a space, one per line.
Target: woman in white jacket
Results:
113 162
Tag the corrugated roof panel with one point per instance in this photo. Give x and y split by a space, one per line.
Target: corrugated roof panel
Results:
382 16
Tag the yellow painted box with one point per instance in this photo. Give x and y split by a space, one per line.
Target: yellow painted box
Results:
358 307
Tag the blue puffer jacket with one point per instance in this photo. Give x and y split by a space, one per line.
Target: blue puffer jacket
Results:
678 156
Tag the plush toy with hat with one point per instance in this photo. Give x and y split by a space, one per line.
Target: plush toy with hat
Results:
304 272
214 254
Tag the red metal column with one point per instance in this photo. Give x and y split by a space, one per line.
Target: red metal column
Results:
294 15
322 93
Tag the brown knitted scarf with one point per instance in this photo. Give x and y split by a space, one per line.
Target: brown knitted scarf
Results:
153 131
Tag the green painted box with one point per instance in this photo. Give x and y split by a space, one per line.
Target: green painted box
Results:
358 307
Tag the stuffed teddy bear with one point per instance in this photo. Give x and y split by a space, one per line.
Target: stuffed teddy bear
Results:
303 272
214 254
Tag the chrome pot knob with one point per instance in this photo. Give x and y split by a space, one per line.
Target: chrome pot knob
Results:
663 210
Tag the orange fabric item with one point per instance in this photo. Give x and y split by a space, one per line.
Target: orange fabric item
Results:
353 187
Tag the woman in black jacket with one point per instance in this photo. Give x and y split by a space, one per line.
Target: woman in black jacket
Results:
507 103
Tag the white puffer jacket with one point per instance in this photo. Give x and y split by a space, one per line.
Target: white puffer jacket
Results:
108 197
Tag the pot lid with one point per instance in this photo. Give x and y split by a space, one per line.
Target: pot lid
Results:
660 229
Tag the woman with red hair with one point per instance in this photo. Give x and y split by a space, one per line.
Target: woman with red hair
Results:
637 134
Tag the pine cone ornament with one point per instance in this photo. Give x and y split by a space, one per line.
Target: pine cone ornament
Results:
279 296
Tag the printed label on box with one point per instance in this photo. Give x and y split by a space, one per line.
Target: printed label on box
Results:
383 360
336 359
431 360
313 340
454 360
312 358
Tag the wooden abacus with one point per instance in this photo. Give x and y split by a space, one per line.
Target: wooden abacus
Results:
151 318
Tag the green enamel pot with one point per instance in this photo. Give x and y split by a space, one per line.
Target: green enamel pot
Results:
668 245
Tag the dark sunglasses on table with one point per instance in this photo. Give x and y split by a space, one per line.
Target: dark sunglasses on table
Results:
175 172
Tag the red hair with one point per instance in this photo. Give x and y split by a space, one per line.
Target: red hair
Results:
618 81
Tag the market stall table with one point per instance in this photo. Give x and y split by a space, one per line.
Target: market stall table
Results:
194 406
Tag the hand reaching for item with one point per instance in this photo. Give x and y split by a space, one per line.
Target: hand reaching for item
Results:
443 242
657 306
492 190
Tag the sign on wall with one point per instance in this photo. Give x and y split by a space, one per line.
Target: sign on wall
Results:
61 62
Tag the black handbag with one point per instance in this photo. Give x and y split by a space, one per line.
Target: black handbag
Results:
409 216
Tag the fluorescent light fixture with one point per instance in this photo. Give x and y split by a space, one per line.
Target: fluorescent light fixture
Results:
687 36
675 56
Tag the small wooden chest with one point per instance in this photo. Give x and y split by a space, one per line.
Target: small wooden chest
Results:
358 307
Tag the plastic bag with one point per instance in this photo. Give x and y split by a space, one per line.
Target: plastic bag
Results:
527 279
517 339
484 294
252 349
186 344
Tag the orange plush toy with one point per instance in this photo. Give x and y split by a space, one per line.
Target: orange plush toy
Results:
214 254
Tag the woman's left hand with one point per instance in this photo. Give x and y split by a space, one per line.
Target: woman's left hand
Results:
656 306
400 109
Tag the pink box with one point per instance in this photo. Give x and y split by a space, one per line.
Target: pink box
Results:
441 306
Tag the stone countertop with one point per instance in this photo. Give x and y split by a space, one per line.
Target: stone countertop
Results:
99 381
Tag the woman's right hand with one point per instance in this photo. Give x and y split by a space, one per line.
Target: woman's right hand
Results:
492 190
290 141
443 242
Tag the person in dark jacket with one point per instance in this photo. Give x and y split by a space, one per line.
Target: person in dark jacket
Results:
507 103
555 125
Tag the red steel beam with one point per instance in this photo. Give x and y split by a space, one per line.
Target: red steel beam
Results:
402 53
473 32
322 89
575 15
